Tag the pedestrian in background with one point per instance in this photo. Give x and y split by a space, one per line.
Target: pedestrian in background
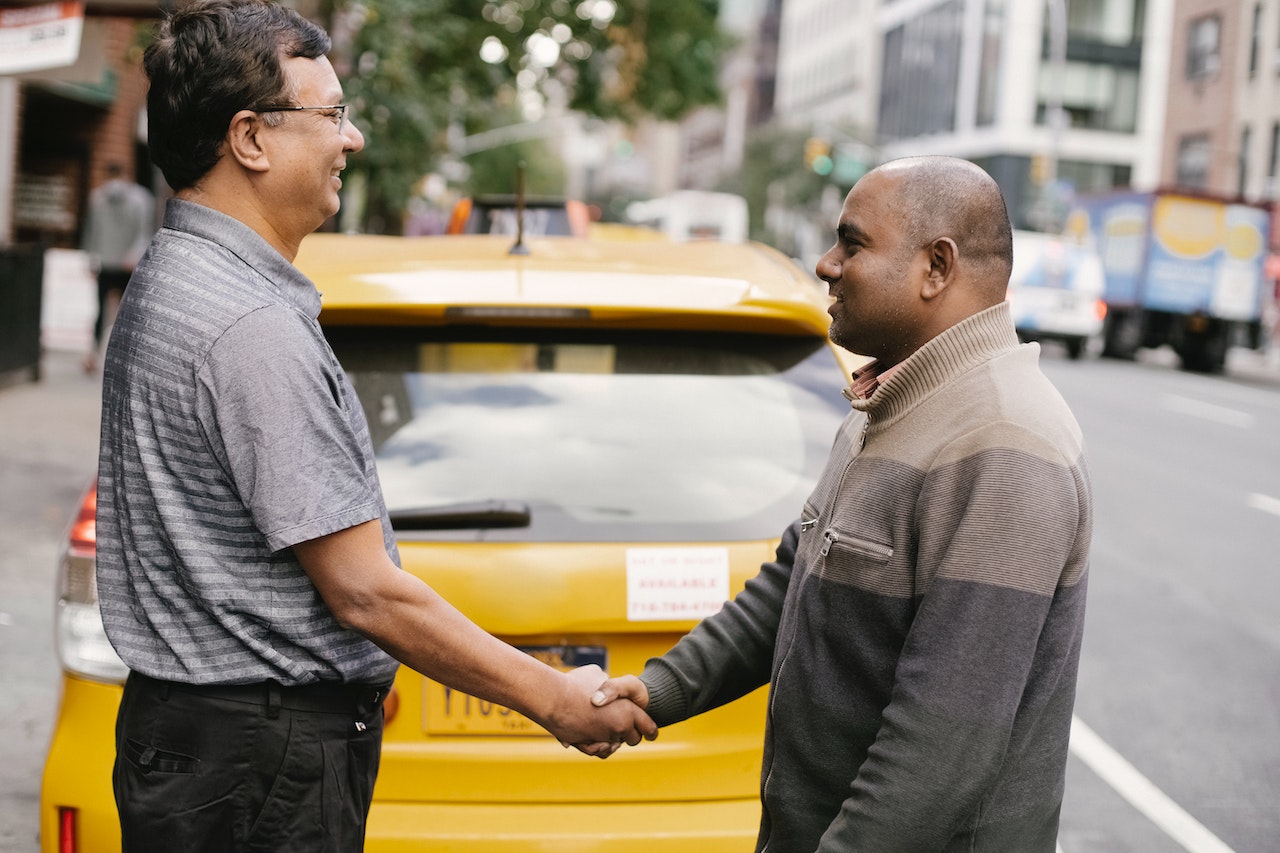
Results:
247 570
118 227
920 628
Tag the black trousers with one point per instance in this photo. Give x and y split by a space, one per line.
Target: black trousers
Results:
108 280
245 769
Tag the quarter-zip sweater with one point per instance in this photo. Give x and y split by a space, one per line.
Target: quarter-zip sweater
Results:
920 628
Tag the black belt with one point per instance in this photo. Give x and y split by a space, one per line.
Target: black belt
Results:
324 697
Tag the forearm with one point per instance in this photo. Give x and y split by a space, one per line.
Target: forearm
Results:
418 627
727 655
370 595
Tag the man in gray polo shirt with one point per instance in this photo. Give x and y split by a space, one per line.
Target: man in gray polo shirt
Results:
246 567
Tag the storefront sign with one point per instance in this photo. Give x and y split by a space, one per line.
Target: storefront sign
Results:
35 38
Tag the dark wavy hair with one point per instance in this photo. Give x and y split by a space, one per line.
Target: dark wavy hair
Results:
210 60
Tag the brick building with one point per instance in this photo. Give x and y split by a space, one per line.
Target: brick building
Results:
70 124
1222 128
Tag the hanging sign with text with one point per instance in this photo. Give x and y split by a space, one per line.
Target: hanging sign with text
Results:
37 38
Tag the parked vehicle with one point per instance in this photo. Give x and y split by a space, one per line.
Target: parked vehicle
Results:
695 215
1181 269
586 447
524 216
1055 291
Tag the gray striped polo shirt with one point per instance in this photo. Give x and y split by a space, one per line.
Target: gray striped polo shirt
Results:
229 434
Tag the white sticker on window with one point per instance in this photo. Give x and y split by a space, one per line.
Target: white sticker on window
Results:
676 583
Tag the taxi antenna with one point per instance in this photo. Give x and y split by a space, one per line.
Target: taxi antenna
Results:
519 248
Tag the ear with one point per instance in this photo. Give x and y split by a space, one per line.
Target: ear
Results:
943 253
243 142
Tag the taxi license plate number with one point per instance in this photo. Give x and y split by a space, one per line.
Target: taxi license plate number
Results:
451 712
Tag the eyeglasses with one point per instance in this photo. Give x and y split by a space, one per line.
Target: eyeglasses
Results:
337 112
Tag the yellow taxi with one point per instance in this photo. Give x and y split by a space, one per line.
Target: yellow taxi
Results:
585 444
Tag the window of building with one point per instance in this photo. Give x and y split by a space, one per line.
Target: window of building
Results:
1255 41
920 66
989 63
1242 160
1105 21
1193 161
1098 85
1273 158
1203 45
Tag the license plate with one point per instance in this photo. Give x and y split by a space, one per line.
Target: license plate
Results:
446 711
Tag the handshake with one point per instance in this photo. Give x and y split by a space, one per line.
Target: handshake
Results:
597 714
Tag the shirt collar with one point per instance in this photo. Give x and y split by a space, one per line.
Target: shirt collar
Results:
867 379
249 246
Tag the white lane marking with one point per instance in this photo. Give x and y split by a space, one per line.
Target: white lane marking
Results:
1207 411
1113 769
1266 503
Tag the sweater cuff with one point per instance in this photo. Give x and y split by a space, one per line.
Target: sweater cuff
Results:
667 701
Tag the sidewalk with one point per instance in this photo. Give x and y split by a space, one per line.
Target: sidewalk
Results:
53 414
48 455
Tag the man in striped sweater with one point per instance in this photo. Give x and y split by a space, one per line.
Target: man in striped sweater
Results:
921 625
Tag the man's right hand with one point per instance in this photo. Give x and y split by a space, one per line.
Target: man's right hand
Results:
634 693
597 729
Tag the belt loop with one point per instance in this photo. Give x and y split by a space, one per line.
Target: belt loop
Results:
164 691
273 700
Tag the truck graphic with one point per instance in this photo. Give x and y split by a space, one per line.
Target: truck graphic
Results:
1182 269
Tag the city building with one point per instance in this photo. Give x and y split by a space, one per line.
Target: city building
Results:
62 124
986 79
828 64
712 139
981 79
1223 115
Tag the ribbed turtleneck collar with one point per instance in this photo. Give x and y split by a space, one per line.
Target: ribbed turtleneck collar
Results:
969 343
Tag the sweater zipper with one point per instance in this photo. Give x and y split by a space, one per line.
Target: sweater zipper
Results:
830 536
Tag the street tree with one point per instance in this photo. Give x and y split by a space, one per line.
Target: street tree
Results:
423 75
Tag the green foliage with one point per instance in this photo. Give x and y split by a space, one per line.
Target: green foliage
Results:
413 70
493 172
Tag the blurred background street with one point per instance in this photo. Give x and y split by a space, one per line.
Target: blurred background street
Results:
1137 144
1181 670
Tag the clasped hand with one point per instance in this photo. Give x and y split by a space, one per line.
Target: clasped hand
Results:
599 714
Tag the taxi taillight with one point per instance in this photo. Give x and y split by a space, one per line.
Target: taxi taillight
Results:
67 830
83 536
80 641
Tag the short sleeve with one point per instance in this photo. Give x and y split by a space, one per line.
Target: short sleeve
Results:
277 411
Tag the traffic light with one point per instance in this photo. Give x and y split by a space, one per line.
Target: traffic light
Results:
1039 169
817 155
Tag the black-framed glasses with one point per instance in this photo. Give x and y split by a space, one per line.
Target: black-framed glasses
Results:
337 112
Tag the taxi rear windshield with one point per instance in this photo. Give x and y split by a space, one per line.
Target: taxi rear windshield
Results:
507 435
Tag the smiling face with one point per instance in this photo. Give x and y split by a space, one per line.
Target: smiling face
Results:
873 273
308 149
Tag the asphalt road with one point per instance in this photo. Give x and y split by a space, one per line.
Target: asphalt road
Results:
1178 744
1180 674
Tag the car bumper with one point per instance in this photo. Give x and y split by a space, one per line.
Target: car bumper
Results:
77 776
77 771
702 827
1052 313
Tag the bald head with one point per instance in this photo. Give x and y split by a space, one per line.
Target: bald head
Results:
950 197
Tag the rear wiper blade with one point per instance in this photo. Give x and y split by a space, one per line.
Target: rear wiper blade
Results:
461 516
